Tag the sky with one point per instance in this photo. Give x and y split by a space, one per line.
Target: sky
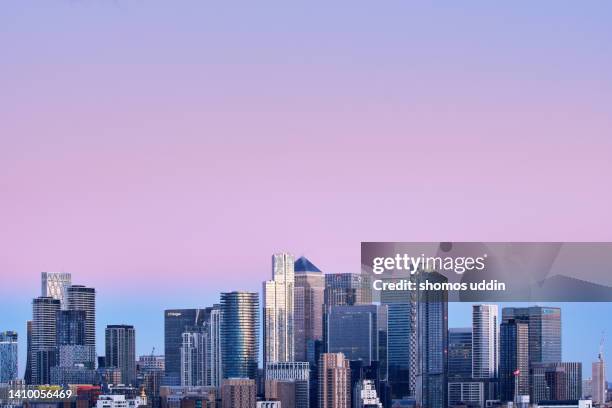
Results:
161 152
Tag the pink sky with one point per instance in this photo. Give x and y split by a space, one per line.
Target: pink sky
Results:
140 142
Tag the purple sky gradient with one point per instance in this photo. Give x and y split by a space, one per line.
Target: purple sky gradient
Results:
169 149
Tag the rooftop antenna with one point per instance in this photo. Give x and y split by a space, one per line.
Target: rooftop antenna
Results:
601 345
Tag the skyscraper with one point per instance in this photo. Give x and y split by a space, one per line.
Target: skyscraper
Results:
401 341
175 323
365 395
194 371
121 351
308 306
353 331
514 362
485 341
239 334
278 310
83 298
544 331
28 369
459 354
334 381
599 380
71 327
44 338
432 340
213 353
54 285
8 356
296 372
347 289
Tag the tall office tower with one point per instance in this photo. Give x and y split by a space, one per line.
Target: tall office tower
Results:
27 377
353 331
334 381
599 380
213 354
365 396
175 323
278 310
347 289
238 393
459 354
296 372
282 391
75 361
121 351
44 338
401 341
8 356
194 371
308 306
514 360
432 343
485 341
239 334
544 331
83 298
555 382
54 285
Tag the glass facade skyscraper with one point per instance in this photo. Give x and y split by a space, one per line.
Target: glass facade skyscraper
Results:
239 334
8 356
308 307
432 340
278 310
54 284
485 341
514 363
44 338
544 331
459 354
79 297
353 331
175 323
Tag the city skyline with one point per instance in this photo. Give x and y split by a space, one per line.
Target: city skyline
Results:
460 315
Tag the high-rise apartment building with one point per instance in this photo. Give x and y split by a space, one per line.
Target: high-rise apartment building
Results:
8 356
121 351
79 297
27 377
459 354
485 341
308 307
514 362
213 353
238 393
175 323
544 331
239 334
44 338
334 381
278 310
194 371
54 285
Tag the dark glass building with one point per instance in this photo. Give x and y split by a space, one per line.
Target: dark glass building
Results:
70 327
353 331
544 331
432 342
239 334
83 298
459 353
121 351
514 359
175 323
401 342
555 381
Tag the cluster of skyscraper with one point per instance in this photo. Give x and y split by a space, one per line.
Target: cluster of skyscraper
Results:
324 345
